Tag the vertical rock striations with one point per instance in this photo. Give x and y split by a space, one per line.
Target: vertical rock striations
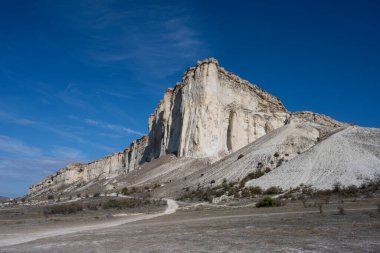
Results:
211 113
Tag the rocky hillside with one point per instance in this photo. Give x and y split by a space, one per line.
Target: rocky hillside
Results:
349 157
208 115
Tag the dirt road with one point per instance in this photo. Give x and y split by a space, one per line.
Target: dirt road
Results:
13 239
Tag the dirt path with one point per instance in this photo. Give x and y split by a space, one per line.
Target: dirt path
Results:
13 239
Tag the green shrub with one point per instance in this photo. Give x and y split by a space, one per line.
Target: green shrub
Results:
124 191
268 202
255 190
273 190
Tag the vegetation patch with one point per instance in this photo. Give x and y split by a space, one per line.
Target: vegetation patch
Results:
130 203
268 202
71 208
273 190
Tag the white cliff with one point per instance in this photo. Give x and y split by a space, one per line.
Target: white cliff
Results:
209 114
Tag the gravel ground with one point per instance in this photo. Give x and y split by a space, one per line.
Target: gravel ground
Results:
290 228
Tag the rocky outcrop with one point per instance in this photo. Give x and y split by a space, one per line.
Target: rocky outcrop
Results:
209 114
109 166
212 113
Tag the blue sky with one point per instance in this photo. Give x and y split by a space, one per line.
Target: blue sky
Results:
79 79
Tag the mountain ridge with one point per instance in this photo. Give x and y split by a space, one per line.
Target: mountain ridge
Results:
209 114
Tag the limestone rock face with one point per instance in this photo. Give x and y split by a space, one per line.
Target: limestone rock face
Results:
210 113
109 166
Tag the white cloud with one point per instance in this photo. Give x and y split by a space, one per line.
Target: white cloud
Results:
67 153
117 128
13 146
16 120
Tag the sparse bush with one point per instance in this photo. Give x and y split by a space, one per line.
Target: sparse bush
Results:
124 191
245 193
242 184
337 187
78 195
50 197
351 190
97 194
268 202
157 185
93 207
225 185
71 208
307 190
273 190
253 175
212 181
236 193
125 203
255 190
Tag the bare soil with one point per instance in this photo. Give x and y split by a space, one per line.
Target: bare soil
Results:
210 228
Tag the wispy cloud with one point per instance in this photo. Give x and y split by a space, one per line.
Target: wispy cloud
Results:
19 160
151 37
16 120
113 127
73 133
10 145
68 153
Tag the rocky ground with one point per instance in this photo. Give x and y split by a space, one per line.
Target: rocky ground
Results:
236 226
